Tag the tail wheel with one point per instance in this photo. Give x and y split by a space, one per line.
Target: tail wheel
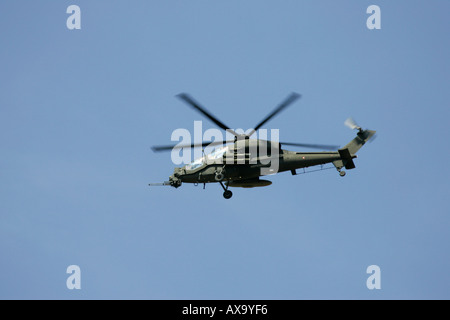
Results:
227 194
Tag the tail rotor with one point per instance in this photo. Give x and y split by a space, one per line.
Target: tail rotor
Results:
351 123
364 135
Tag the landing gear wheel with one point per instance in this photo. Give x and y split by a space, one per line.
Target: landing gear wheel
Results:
219 176
227 194
342 173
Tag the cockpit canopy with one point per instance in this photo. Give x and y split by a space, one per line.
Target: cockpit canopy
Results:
213 157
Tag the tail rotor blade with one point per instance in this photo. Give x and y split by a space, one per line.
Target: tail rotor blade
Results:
351 123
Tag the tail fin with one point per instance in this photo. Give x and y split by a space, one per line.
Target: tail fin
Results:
347 153
361 138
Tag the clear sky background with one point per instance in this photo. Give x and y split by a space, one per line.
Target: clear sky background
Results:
80 109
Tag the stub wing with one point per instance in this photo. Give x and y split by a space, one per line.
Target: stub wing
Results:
250 183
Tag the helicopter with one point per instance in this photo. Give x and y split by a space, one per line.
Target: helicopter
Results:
242 162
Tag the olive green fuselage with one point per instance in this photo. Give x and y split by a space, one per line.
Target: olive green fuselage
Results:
287 161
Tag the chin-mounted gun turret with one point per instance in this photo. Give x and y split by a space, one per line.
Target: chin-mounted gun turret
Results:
174 180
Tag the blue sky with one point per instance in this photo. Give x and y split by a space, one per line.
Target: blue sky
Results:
80 109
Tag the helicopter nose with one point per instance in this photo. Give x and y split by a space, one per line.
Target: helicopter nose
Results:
178 172
174 181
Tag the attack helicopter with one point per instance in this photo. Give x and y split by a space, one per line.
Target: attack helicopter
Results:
242 162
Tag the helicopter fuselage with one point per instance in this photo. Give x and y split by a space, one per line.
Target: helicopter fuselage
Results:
238 169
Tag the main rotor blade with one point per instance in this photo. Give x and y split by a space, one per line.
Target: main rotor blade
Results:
289 100
177 146
188 99
313 146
